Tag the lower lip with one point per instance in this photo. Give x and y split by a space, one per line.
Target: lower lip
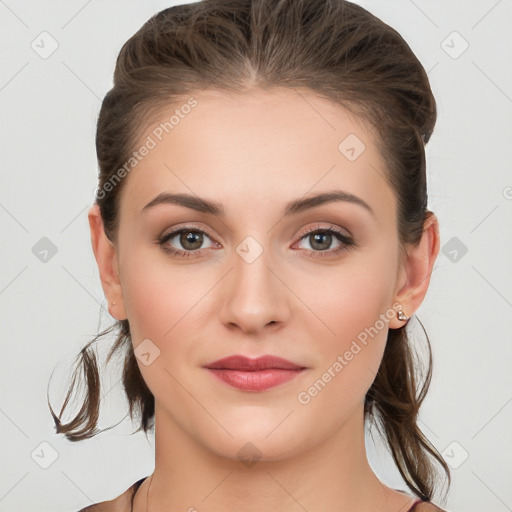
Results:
255 381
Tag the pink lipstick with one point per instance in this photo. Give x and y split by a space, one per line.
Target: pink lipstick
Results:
254 374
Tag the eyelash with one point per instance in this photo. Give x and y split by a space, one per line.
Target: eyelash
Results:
347 242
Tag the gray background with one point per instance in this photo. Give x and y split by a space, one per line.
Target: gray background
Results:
52 303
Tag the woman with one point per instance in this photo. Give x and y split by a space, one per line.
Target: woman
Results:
262 237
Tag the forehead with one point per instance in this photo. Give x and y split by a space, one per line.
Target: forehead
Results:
240 149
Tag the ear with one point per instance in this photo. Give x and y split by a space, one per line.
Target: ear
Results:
417 269
106 258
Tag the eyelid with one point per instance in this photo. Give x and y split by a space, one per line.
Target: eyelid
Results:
318 227
342 231
179 227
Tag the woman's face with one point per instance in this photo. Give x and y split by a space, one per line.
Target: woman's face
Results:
262 278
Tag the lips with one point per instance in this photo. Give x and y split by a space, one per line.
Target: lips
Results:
254 374
245 364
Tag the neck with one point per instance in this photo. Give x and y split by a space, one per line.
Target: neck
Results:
332 476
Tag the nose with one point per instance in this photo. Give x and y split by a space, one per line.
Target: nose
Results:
254 298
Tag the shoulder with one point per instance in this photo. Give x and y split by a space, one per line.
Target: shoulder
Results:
120 504
425 506
123 503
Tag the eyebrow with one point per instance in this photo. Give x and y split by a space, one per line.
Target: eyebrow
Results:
292 208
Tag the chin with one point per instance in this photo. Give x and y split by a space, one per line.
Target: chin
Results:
252 449
254 440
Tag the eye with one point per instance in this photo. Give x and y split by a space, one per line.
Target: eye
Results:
191 240
320 239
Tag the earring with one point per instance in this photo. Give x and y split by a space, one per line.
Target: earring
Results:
401 315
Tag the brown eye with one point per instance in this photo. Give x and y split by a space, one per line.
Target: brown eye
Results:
184 242
191 240
320 241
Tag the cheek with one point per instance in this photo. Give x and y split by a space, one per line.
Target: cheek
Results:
159 298
161 303
353 297
355 307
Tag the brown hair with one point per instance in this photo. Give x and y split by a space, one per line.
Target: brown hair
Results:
333 48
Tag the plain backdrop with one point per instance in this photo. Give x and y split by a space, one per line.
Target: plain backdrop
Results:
52 303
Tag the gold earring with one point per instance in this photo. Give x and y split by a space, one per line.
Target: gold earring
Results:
401 315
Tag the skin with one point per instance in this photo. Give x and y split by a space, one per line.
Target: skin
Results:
254 152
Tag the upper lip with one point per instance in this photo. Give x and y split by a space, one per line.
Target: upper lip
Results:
239 362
